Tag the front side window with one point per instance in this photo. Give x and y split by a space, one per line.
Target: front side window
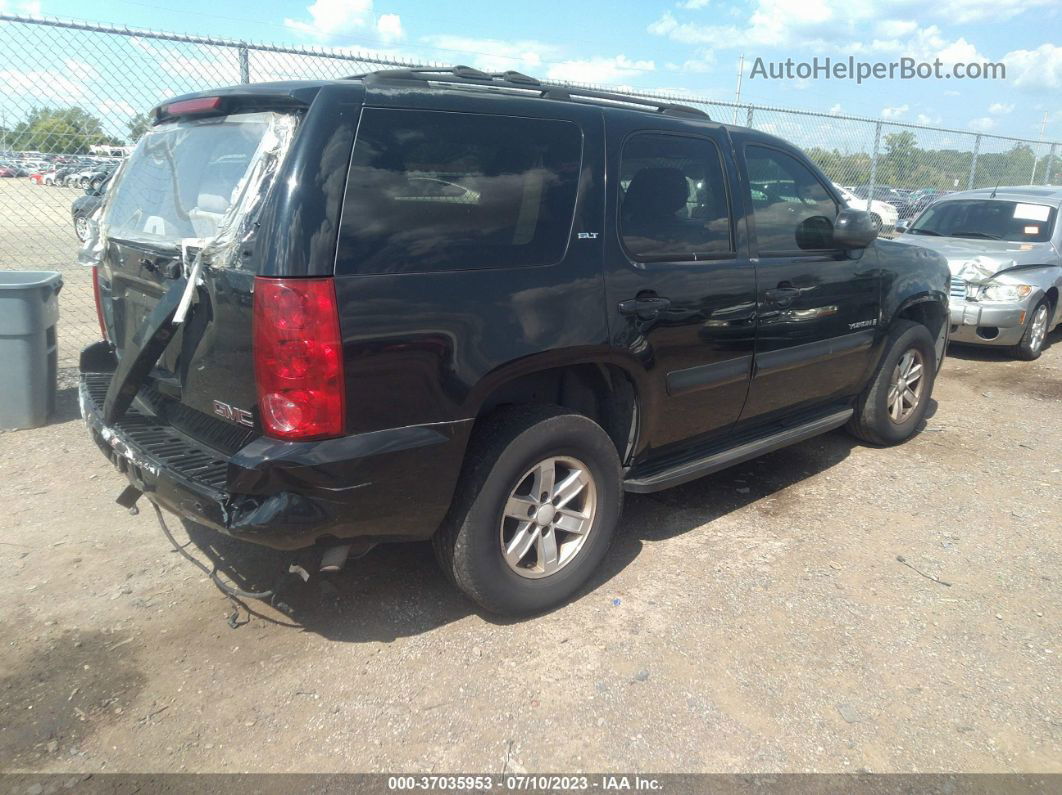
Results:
673 202
436 191
987 219
791 207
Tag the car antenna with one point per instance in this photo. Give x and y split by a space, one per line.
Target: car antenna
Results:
995 188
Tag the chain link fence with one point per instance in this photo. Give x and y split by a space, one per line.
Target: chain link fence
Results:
73 98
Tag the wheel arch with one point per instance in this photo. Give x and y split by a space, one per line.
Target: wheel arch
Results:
931 311
606 390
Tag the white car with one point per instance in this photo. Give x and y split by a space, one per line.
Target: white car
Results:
885 212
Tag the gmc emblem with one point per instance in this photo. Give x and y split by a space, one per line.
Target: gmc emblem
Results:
233 414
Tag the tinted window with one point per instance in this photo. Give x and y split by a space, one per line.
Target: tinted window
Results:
988 219
432 191
674 202
791 207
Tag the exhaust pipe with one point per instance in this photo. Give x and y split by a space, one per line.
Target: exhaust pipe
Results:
334 558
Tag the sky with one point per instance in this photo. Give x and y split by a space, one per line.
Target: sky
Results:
691 46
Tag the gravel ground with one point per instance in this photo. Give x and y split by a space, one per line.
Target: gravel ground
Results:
756 620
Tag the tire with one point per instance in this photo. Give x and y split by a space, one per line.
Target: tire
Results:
1032 341
875 419
877 220
83 182
81 228
506 455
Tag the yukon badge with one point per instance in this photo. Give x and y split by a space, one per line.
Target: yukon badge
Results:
233 414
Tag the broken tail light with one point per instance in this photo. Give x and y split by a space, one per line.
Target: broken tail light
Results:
298 358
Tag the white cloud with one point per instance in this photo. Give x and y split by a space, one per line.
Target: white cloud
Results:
821 25
1035 69
41 85
494 55
599 70
929 121
28 8
836 110
694 5
1000 108
894 28
79 70
894 112
389 28
332 19
965 11
982 123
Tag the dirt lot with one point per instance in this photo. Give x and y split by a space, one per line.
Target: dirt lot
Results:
755 620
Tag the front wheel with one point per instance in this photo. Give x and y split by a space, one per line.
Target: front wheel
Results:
897 397
535 511
1032 342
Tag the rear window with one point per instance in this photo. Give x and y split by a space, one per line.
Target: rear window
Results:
437 191
190 180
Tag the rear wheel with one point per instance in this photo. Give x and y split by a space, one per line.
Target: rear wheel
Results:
535 510
81 228
1032 342
897 397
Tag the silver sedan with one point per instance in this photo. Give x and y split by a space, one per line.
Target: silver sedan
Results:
1003 247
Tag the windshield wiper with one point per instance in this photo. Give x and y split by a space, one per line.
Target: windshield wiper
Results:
924 232
985 235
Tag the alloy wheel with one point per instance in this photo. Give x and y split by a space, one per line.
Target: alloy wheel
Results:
548 516
905 389
1038 330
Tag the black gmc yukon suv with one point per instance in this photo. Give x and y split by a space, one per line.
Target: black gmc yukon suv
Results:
477 309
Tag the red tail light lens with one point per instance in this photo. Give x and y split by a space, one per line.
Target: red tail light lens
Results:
99 300
190 106
298 358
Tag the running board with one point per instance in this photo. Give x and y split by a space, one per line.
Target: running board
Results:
691 470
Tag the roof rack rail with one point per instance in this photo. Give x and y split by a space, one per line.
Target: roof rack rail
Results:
466 75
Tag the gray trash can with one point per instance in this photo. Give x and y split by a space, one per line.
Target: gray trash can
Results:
29 312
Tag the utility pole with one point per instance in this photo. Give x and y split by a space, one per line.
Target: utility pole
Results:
1043 127
737 93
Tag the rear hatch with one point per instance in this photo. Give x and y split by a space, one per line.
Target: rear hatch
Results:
178 231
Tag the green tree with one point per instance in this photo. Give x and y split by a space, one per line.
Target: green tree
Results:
138 125
60 130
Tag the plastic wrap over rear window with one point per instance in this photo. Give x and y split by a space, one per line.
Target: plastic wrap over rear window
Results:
436 191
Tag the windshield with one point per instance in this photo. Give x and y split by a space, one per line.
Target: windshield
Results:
987 219
194 179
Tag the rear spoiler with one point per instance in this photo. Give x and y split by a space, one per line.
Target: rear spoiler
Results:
237 99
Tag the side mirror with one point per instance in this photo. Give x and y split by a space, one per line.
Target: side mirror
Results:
903 226
854 229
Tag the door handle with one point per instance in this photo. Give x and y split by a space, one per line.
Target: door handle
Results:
644 305
782 295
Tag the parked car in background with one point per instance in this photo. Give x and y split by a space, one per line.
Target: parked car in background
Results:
515 304
1003 248
882 193
918 201
7 171
883 212
82 208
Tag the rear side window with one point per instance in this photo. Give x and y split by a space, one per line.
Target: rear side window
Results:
674 202
792 208
436 191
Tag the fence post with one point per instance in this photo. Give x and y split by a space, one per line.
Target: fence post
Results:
874 164
973 162
748 117
1050 165
245 64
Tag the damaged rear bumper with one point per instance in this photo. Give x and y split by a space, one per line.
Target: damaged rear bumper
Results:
391 485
